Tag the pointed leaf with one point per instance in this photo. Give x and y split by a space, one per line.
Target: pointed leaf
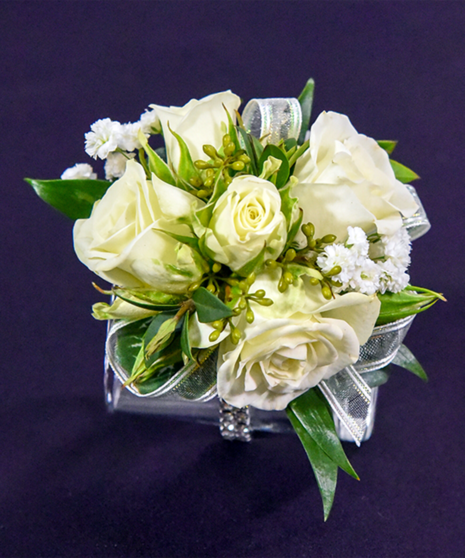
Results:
246 141
257 147
129 343
288 204
324 468
159 332
294 229
254 264
74 198
145 305
283 172
191 241
306 101
409 301
312 412
152 296
387 145
156 164
186 167
232 130
377 378
298 153
209 307
406 359
403 173
185 343
289 144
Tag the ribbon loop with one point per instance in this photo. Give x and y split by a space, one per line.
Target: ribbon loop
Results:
418 224
273 119
194 381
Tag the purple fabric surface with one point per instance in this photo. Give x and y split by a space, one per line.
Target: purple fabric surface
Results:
77 481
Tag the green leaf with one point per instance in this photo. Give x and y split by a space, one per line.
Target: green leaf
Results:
254 264
74 198
156 297
249 149
257 147
402 173
387 145
145 305
185 343
209 307
282 175
232 130
186 167
306 101
129 343
407 302
156 164
191 241
377 378
159 332
288 204
406 359
313 414
299 153
294 229
289 144
168 364
324 468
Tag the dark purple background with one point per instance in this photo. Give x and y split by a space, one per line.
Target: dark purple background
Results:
77 481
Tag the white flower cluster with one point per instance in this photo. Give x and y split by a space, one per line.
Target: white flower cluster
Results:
80 170
113 141
369 267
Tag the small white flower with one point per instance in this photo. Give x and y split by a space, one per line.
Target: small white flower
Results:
102 139
149 122
80 170
338 254
394 278
116 165
366 277
127 136
397 248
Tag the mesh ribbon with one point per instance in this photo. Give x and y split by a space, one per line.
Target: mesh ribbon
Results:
195 381
273 119
347 392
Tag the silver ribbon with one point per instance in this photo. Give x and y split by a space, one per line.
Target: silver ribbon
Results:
273 119
418 224
191 382
349 396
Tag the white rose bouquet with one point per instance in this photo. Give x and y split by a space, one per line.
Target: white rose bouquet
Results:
275 253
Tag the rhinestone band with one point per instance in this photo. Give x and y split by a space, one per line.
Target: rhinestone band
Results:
234 422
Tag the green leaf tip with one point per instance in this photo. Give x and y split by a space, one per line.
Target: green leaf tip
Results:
306 101
403 173
73 198
406 359
409 301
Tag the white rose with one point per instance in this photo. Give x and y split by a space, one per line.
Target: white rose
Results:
288 350
122 243
345 178
199 122
246 218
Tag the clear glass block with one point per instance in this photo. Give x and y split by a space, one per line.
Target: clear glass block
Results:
239 424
